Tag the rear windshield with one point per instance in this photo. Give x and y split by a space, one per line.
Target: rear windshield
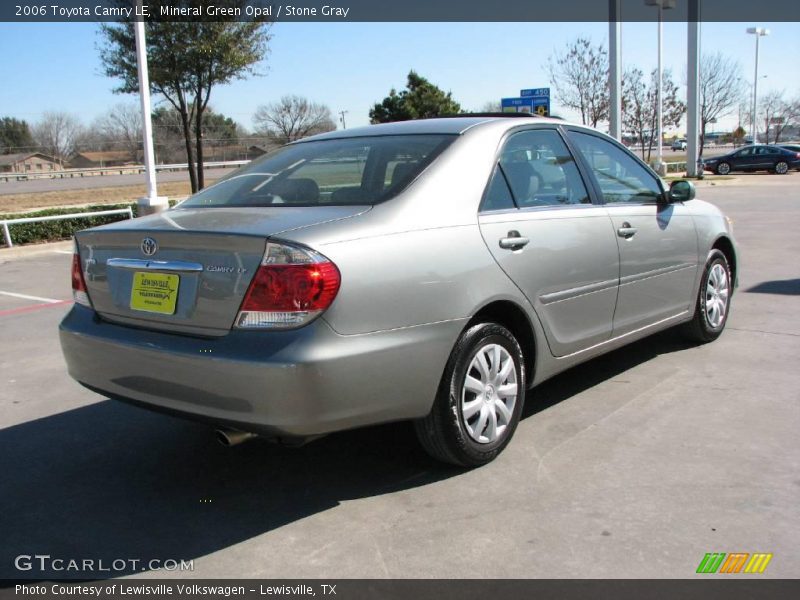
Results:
337 172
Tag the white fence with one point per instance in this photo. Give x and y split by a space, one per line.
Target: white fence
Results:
121 170
6 222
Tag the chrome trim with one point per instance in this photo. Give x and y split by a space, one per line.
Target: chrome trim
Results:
155 265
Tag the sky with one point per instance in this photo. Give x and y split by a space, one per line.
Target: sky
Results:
350 66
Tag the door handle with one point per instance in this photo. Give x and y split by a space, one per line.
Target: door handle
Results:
626 231
513 241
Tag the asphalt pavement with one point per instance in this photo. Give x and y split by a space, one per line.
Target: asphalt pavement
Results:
636 464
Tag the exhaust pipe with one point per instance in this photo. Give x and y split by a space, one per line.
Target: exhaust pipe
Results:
233 437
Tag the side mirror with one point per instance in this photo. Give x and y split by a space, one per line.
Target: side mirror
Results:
681 191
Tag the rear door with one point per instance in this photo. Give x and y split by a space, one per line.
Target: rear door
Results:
539 223
657 241
765 157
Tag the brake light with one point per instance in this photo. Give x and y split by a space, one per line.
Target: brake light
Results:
79 293
291 287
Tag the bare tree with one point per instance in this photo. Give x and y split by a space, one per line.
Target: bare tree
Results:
57 133
121 128
492 106
579 74
721 89
292 118
778 114
640 105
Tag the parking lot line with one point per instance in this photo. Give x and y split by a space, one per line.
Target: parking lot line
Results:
27 297
32 307
63 251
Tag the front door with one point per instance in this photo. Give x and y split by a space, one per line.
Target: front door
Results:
657 241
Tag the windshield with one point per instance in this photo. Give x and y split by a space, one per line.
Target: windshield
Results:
336 172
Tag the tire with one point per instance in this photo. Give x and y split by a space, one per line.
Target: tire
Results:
781 168
723 168
709 322
454 431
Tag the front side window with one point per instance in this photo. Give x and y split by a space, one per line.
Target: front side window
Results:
540 170
335 172
744 152
620 177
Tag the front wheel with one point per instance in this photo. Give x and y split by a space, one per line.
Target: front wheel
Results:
782 168
713 300
479 401
723 168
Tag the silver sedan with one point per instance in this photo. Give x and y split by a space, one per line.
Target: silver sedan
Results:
433 271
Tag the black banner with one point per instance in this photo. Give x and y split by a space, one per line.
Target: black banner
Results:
339 11
393 589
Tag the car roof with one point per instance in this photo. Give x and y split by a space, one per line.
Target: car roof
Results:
446 126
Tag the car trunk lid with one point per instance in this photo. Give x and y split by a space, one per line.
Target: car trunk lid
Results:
185 271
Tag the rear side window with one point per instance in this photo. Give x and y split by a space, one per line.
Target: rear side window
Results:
498 195
541 171
336 172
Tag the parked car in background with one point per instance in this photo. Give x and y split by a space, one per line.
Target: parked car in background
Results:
431 271
679 145
792 148
757 157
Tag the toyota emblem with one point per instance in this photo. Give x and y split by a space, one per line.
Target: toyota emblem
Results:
149 246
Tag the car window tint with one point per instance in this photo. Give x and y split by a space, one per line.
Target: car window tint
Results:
541 171
498 195
334 172
744 152
621 178
762 150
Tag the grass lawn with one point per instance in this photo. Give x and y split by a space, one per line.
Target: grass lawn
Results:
112 195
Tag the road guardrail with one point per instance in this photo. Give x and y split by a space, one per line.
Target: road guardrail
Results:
121 170
99 213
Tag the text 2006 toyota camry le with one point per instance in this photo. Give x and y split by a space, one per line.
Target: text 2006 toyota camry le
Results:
430 270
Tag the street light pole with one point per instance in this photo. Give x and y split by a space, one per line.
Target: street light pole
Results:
661 5
693 158
758 32
614 70
152 202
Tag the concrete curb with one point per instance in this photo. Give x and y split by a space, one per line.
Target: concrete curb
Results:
35 249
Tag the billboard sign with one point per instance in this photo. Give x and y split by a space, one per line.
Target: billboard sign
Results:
538 104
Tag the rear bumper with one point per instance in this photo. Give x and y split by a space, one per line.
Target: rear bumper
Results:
304 382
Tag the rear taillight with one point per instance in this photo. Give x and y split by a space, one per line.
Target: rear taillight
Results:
291 287
78 284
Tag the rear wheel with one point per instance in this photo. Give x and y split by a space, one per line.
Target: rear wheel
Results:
480 398
713 301
782 168
723 168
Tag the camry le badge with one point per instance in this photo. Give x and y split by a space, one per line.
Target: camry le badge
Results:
149 246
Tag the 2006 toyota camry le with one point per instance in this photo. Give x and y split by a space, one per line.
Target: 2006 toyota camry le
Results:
429 270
